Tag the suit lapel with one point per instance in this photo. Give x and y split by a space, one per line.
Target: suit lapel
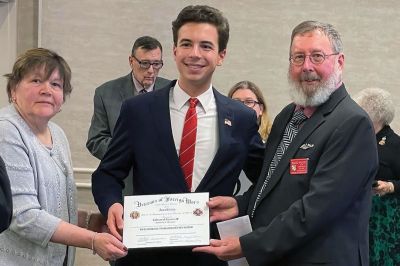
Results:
159 109
273 141
158 84
308 128
314 122
127 87
225 123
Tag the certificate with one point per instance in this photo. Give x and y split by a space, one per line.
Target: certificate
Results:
168 220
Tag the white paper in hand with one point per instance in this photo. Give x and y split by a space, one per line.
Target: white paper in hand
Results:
235 227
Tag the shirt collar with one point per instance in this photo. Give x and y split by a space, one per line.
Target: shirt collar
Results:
308 111
180 97
139 87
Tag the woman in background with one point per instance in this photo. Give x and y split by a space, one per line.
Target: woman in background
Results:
385 215
250 94
38 161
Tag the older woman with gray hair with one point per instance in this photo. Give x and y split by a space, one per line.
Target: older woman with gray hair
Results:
385 217
36 154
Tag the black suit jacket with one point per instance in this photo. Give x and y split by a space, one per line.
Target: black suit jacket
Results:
6 207
389 160
143 140
320 217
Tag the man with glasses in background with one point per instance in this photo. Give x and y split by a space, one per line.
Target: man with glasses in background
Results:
311 203
145 62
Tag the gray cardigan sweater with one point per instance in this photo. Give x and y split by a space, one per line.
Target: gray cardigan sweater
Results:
43 192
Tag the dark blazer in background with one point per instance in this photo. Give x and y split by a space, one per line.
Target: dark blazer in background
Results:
143 140
321 217
388 154
107 100
6 207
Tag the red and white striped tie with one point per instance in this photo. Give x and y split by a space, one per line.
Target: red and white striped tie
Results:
188 142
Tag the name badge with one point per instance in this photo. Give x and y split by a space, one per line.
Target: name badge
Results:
299 166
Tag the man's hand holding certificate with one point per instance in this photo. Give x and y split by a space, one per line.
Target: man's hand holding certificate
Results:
168 220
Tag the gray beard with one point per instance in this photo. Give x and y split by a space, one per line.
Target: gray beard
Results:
320 95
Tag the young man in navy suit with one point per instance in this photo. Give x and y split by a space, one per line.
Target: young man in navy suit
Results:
311 204
148 135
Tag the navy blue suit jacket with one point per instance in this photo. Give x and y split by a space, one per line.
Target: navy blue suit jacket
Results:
321 216
143 141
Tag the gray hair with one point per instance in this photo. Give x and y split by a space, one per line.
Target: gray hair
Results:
377 103
325 28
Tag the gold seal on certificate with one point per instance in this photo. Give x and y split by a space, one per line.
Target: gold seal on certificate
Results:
167 220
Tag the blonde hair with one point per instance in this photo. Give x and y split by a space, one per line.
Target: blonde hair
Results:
265 122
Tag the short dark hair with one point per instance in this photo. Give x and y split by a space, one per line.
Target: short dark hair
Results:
203 14
147 43
33 59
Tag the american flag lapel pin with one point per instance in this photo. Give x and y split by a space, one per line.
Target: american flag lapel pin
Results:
228 122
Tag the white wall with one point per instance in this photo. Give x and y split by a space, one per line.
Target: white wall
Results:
95 37
8 40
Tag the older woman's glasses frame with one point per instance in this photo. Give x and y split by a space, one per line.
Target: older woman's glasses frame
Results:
316 58
146 64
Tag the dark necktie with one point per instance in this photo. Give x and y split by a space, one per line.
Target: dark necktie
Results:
188 142
290 133
142 91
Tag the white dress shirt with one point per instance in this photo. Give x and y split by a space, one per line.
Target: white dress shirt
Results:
207 141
